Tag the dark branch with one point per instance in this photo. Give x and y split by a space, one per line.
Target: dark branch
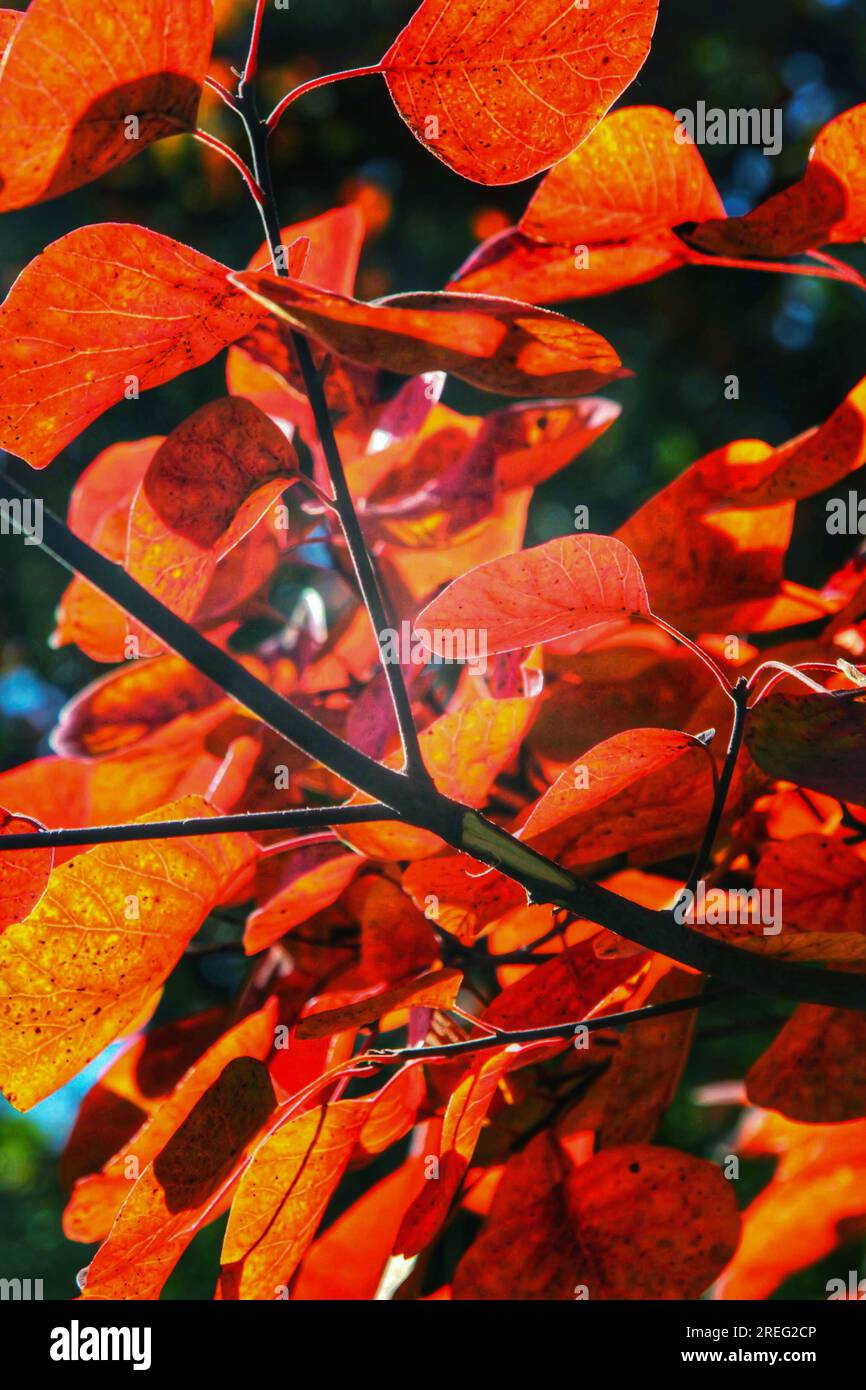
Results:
246 822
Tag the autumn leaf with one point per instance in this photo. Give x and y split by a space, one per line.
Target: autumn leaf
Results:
105 311
565 989
207 486
815 1192
118 711
499 93
348 1259
137 77
108 930
635 1222
814 1071
396 940
464 1117
822 881
625 1105
563 586
24 874
309 887
436 989
180 1189
460 894
96 1198
495 344
146 1070
817 741
828 204
281 1198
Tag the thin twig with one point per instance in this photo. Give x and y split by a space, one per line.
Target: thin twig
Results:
246 822
525 1037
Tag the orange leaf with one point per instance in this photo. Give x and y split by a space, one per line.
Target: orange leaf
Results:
460 895
464 1118
828 204
815 1070
282 1196
64 122
109 929
102 310
207 486
97 1198
627 1102
436 990
633 177
499 92
118 711
315 887
496 344
396 940
24 873
617 796
560 587
348 1260
801 1215
181 1189
565 989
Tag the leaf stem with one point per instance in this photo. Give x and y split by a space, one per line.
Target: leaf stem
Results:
775 267
251 66
698 652
228 153
285 102
739 695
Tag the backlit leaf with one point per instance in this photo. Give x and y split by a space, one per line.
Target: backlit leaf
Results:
499 92
64 122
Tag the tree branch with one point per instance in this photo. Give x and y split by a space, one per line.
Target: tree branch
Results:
382 783
246 821
551 1032
365 571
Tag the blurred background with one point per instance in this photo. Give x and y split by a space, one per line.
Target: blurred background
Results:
797 346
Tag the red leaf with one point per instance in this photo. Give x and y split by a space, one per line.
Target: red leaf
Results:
828 204
496 344
76 73
561 587
96 1199
207 486
104 310
24 873
499 92
181 1189
281 1198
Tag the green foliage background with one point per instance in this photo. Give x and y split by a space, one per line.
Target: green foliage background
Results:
796 346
